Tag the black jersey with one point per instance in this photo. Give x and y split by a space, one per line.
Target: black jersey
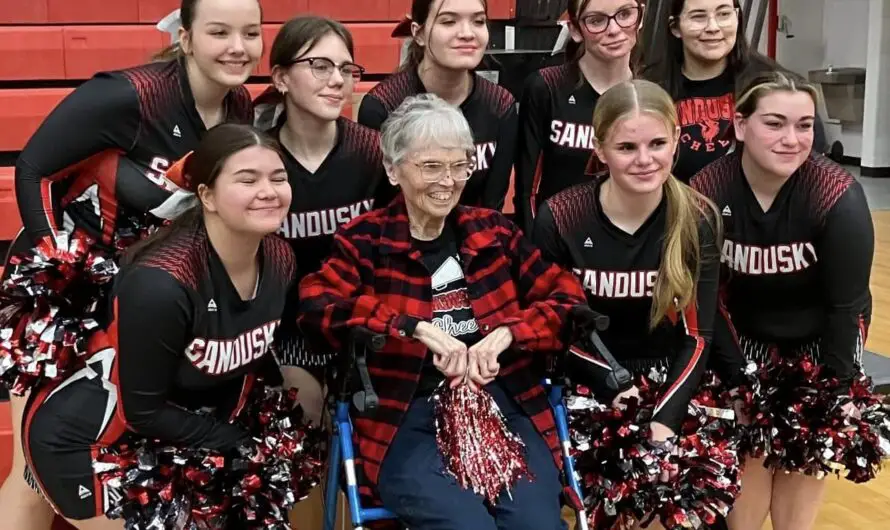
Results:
618 272
343 187
555 149
800 270
705 110
491 112
103 151
185 340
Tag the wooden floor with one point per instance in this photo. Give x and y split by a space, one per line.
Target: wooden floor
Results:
879 331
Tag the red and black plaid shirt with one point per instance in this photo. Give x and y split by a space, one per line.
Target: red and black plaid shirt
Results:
375 278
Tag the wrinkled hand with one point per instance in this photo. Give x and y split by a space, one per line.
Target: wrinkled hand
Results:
483 356
630 393
449 354
659 434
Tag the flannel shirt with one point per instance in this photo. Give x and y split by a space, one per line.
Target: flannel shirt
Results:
376 279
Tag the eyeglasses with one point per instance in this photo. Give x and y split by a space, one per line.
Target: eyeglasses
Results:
436 171
323 68
699 20
599 22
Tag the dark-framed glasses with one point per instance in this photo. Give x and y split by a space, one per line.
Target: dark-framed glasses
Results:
432 171
724 17
323 68
627 17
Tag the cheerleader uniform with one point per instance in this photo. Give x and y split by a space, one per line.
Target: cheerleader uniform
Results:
84 184
619 271
181 342
491 112
796 286
555 149
346 184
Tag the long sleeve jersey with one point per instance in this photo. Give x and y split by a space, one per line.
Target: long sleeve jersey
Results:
800 270
491 112
101 154
555 145
186 341
618 272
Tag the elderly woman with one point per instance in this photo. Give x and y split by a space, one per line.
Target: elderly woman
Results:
464 299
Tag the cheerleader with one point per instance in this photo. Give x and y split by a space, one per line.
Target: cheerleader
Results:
555 135
88 176
192 317
705 56
645 249
797 255
448 41
334 165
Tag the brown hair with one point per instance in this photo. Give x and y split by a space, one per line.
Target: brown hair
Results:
686 208
187 10
760 84
575 50
203 166
420 13
303 32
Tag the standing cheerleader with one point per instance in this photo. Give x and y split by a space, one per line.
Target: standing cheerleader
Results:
797 254
334 165
555 135
84 183
700 65
192 317
645 248
449 38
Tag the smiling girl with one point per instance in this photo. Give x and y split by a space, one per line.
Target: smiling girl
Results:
449 38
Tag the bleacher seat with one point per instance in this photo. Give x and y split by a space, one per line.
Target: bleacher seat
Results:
10 222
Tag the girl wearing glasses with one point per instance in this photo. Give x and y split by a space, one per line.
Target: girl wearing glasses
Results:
334 165
703 59
555 134
449 38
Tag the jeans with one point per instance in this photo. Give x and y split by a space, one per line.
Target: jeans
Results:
414 485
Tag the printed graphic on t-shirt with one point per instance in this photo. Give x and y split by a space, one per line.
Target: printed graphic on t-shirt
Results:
705 122
452 312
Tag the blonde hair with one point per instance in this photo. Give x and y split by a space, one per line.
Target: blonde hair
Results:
682 258
764 83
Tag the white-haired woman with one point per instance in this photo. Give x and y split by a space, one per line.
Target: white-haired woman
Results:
463 299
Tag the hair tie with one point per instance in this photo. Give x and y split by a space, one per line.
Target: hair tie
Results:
183 198
403 28
171 24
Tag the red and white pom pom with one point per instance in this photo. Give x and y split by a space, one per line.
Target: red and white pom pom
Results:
477 447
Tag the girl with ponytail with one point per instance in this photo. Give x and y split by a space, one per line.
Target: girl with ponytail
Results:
646 248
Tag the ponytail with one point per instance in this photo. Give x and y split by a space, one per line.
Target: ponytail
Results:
170 53
681 259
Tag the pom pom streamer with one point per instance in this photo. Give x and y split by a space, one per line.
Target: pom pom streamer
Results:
622 473
798 423
478 449
49 303
162 485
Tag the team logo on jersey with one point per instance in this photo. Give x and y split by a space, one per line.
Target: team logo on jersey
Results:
211 305
83 492
485 154
218 356
176 132
588 243
573 135
705 122
450 299
773 259
726 211
571 100
303 225
618 284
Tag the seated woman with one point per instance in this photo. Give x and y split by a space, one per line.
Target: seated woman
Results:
191 322
464 299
